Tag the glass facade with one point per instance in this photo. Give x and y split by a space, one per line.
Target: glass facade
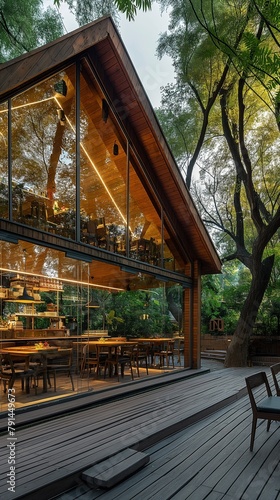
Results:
4 190
66 310
103 167
69 156
68 170
43 155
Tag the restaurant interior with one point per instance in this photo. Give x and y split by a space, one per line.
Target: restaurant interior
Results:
63 333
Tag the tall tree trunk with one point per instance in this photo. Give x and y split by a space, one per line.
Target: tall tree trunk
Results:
237 353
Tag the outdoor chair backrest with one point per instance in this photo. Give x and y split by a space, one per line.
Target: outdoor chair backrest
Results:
264 406
275 369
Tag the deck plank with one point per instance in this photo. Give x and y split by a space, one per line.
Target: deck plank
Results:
75 441
194 443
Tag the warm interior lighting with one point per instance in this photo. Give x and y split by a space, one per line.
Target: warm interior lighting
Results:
25 296
95 168
27 104
63 280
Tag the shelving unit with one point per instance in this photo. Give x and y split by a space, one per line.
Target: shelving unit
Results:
33 285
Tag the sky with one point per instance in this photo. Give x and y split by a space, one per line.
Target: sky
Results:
140 39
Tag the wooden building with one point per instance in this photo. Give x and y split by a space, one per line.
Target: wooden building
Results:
90 194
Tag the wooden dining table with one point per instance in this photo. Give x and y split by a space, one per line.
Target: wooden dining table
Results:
42 354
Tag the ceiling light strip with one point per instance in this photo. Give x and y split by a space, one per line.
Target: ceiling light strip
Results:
63 280
93 165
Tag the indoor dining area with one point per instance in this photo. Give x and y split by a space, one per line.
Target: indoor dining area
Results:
69 335
87 328
41 372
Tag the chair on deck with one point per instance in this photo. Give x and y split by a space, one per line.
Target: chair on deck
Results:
275 369
267 408
60 362
9 373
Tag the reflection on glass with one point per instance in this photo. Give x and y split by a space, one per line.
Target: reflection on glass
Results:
103 172
43 155
171 257
4 160
144 224
44 172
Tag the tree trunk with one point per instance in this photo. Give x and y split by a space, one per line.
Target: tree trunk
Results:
175 310
237 354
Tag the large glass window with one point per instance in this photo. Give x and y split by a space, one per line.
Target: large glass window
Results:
46 169
144 223
50 301
4 160
171 257
103 171
43 155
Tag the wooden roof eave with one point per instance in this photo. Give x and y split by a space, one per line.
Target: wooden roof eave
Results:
21 71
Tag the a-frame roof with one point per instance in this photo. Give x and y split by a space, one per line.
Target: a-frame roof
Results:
101 42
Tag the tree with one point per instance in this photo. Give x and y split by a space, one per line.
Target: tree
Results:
226 57
87 10
25 25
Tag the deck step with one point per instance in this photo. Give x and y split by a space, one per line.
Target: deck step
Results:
115 469
213 354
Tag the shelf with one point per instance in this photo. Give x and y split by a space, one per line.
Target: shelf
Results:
24 301
30 315
35 285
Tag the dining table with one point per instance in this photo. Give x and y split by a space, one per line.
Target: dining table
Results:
40 354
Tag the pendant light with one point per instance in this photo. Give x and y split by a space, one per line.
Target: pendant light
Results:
25 297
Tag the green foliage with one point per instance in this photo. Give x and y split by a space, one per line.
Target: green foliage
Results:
89 10
25 26
223 296
112 320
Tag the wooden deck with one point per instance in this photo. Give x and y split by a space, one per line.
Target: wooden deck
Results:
196 431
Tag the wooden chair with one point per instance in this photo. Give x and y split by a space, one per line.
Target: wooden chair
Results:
275 369
120 358
9 373
165 353
267 408
179 349
140 355
91 236
60 362
92 358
